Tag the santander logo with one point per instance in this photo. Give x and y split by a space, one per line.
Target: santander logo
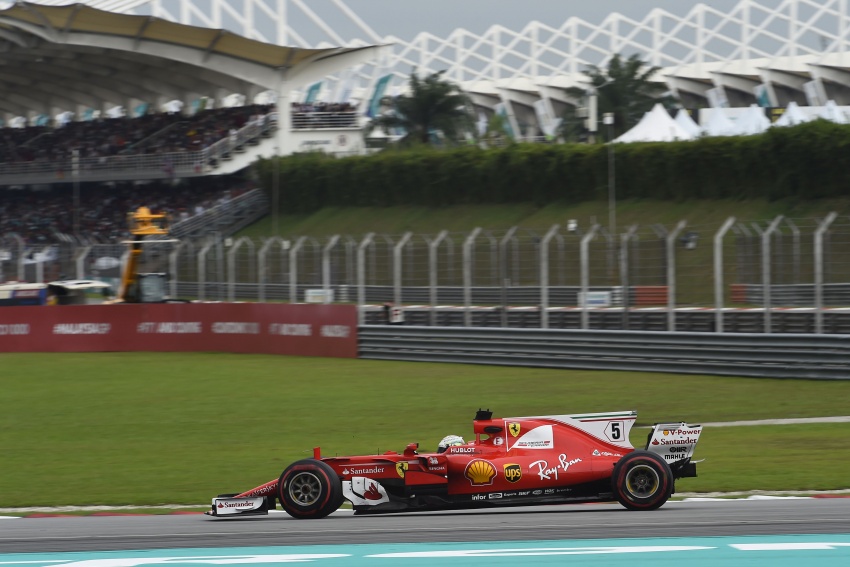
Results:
235 504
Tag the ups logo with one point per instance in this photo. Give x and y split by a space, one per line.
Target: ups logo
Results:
513 473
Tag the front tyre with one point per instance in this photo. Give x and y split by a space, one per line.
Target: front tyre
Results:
309 489
642 481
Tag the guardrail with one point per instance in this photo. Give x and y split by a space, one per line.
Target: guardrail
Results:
821 357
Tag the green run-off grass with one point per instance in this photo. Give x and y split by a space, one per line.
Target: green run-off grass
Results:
145 429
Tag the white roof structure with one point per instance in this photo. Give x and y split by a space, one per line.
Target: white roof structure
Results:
719 124
753 121
792 116
832 113
683 119
656 126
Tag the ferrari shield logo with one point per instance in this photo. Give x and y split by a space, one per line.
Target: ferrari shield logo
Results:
514 427
401 468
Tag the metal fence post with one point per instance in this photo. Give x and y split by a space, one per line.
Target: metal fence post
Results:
819 233
361 276
544 275
326 267
671 274
172 267
718 273
625 279
231 265
202 269
397 249
433 247
503 272
262 266
765 270
293 268
467 276
585 273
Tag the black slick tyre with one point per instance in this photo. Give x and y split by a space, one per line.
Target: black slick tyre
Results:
309 489
642 481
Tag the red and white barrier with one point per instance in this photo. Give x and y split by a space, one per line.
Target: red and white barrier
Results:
300 329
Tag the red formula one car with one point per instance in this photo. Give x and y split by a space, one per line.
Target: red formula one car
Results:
515 461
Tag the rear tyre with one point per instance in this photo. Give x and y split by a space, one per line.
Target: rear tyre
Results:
309 489
642 481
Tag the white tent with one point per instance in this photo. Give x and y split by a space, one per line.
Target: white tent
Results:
753 121
718 124
792 116
656 126
683 119
832 113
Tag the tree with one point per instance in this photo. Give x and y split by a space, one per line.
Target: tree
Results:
623 88
433 105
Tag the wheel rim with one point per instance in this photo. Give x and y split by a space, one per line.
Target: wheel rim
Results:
305 488
642 481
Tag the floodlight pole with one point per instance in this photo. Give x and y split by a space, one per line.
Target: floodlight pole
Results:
608 119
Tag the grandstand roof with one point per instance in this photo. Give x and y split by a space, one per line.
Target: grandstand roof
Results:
63 56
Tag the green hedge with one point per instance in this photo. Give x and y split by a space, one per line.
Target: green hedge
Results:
810 161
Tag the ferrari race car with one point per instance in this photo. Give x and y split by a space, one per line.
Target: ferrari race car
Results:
514 461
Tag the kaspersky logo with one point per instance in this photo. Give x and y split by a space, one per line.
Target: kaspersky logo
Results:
514 428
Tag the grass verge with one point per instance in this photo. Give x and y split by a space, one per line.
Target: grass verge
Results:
175 428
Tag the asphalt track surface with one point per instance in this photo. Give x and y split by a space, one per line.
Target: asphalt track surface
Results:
589 521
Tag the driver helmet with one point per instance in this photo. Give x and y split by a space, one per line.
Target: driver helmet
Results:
450 441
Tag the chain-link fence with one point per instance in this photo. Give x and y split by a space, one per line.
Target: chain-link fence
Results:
560 276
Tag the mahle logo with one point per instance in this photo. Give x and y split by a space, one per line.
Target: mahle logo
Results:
513 473
514 428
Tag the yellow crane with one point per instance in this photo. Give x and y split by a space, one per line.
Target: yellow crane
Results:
148 287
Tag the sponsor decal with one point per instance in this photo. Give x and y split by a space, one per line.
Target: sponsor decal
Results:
545 472
538 438
335 331
480 472
537 492
433 461
685 441
401 468
494 495
360 471
81 328
513 472
549 491
523 493
498 441
462 450
436 469
235 504
678 449
235 328
655 442
478 497
373 493
514 428
598 453
291 329
170 327
17 329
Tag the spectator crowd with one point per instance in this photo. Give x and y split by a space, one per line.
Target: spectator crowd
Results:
39 216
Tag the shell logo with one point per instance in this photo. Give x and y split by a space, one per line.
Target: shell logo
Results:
666 432
480 472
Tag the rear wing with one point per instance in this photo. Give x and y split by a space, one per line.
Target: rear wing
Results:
675 443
